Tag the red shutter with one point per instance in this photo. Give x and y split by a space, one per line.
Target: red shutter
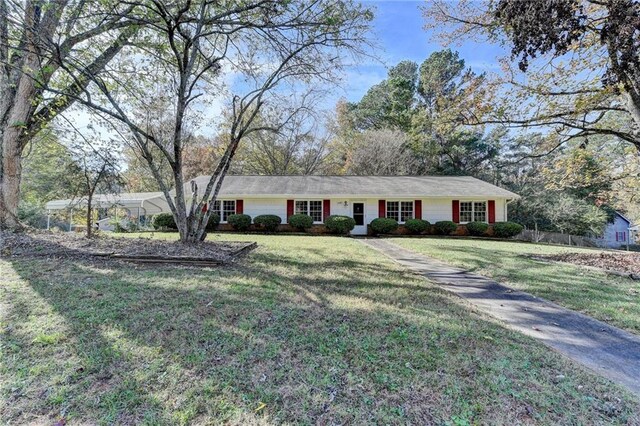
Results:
239 206
418 210
492 211
326 209
455 210
289 209
382 208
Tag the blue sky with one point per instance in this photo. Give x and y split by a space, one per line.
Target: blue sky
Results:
399 35
398 31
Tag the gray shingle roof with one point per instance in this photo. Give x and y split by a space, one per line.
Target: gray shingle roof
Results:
343 186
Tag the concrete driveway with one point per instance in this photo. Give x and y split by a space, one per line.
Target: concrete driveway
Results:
609 351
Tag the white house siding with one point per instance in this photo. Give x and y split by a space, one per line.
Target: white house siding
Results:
438 209
370 207
501 210
278 206
255 207
433 209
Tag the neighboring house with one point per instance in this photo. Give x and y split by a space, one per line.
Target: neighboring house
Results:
616 233
461 199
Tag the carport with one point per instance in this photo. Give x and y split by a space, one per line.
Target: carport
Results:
132 205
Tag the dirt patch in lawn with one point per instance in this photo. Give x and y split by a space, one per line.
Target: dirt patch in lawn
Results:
55 244
621 263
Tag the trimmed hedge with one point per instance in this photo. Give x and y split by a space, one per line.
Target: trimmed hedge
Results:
213 222
164 221
445 227
340 224
268 222
301 221
383 225
477 228
240 222
417 226
506 229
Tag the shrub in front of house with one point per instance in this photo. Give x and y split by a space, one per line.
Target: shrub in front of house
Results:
383 225
118 228
268 222
506 229
416 226
301 221
477 228
240 222
445 227
213 222
340 224
164 221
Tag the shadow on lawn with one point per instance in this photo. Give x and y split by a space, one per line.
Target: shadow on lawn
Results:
340 340
233 331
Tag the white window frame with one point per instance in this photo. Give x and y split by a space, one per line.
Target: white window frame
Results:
307 210
220 206
413 209
473 211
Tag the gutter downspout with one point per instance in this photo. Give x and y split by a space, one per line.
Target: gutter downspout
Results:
506 219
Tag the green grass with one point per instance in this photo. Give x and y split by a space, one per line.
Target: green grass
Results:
304 330
604 296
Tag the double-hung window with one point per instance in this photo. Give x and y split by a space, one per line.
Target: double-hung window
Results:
224 208
400 210
473 211
312 208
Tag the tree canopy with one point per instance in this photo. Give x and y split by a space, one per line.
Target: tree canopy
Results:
580 57
48 51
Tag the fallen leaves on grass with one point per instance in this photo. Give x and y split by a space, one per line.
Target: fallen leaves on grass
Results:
55 244
618 262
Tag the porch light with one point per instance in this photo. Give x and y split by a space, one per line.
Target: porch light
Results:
345 203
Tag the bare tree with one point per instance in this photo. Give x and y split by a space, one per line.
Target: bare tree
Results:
269 48
100 174
381 152
298 147
95 165
48 48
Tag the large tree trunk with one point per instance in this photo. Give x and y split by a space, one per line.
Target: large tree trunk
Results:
10 172
17 109
633 106
11 152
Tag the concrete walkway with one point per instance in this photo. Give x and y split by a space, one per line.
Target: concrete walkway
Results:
609 351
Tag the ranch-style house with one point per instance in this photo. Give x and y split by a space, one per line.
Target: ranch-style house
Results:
461 199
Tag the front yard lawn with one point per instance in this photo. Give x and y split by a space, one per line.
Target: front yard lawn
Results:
305 330
609 298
